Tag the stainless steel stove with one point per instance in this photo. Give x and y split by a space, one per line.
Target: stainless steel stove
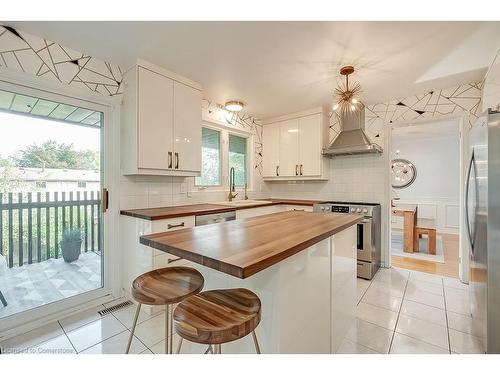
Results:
368 233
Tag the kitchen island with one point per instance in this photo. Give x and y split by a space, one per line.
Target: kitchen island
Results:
302 266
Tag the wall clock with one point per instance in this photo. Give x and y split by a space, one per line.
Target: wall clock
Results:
403 173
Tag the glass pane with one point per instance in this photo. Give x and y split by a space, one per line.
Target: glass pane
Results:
238 158
51 227
210 158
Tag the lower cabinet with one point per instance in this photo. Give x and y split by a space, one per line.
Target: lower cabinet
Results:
296 207
258 211
137 258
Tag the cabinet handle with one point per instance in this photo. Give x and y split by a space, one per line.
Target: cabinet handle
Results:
176 160
170 226
296 209
170 159
173 260
301 169
296 169
277 170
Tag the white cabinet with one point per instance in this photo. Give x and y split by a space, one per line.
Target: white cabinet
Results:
138 258
187 136
310 141
160 123
292 145
289 148
271 150
154 119
297 207
258 211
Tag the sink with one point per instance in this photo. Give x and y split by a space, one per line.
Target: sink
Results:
242 203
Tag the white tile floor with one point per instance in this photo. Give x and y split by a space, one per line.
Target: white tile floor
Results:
402 311
398 312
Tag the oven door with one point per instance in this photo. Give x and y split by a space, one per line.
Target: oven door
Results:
364 240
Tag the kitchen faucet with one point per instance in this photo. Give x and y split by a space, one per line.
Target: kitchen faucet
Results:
232 187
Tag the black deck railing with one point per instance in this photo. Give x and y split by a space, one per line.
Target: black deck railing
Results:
32 224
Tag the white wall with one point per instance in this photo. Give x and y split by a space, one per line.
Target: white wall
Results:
436 190
491 88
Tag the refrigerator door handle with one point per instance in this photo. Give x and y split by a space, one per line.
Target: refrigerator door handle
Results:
467 222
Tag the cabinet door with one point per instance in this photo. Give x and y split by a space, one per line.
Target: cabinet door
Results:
154 112
270 149
289 147
187 128
310 157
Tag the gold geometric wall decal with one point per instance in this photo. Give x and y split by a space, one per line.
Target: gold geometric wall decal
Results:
43 58
431 105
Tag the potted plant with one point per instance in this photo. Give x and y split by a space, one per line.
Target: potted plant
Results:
71 244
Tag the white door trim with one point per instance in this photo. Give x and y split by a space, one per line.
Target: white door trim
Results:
462 122
35 86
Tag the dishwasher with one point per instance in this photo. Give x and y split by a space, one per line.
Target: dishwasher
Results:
214 218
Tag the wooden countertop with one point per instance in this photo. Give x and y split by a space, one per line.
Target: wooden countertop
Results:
161 213
244 247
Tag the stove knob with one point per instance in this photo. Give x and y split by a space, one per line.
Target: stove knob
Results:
358 210
365 210
323 209
353 209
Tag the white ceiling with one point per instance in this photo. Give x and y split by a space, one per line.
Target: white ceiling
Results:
281 67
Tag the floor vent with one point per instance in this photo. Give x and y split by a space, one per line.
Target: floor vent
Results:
109 310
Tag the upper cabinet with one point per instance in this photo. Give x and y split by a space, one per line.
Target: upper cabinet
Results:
160 123
292 144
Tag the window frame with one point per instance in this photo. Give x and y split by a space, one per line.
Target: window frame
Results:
225 130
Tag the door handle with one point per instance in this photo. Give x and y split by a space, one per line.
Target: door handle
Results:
170 159
173 260
170 226
105 200
277 170
467 222
301 169
176 160
296 169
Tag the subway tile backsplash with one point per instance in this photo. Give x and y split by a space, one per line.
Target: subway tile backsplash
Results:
353 178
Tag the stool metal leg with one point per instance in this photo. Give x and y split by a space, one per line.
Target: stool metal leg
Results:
257 348
167 329
171 328
133 327
179 346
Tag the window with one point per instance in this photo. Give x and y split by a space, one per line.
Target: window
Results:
41 184
238 158
82 184
221 150
210 158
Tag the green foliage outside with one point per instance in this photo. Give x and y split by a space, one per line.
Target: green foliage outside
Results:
51 154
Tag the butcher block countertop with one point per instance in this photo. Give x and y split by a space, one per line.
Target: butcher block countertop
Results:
161 213
242 248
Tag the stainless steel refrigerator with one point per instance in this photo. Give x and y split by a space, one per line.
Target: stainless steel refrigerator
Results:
482 216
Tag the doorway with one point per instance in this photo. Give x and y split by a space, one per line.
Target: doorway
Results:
426 195
52 202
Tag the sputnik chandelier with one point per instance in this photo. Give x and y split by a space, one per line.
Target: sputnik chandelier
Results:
346 97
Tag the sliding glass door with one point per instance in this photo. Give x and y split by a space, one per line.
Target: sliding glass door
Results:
51 203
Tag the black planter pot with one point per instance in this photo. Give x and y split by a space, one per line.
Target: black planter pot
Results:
71 250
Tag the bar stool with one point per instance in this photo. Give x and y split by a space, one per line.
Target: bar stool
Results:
217 317
164 286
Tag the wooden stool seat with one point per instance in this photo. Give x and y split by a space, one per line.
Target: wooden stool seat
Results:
166 285
218 316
